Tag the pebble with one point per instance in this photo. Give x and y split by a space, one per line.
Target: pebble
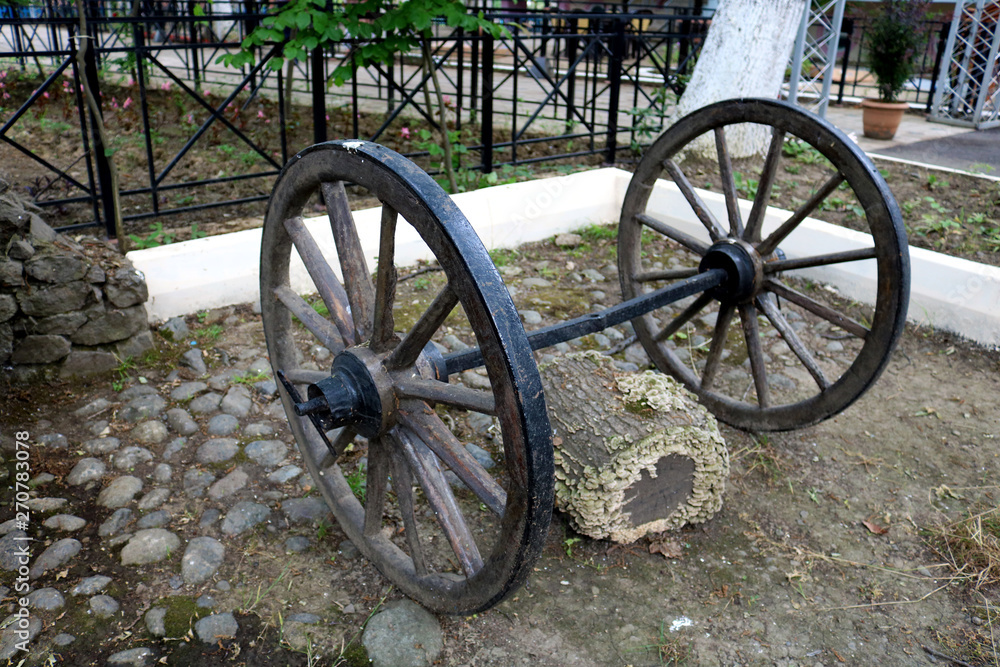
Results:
259 366
133 657
481 455
163 473
266 387
284 474
9 640
257 430
217 450
205 404
222 381
535 282
86 470
243 516
150 546
202 558
46 504
57 554
65 522
63 639
137 390
307 618
403 634
91 585
237 402
144 407
568 240
92 408
222 424
150 433
119 492
206 601
296 544
188 390
209 518
175 446
99 428
104 606
174 329
130 457
228 485
180 422
156 519
194 359
102 445
222 585
53 441
46 599
348 550
196 481
156 621
215 627
593 275
268 453
114 523
531 317
305 510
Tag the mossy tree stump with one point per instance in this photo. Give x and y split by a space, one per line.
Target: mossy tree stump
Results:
635 453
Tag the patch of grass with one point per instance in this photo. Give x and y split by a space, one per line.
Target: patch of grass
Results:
357 480
971 546
668 651
503 256
595 233
249 378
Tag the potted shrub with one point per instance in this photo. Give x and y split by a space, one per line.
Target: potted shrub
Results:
894 37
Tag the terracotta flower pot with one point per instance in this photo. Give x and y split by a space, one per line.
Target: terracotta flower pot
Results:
881 119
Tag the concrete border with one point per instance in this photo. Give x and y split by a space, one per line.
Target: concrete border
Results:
948 293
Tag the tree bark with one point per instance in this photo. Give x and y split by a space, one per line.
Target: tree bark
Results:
745 54
635 454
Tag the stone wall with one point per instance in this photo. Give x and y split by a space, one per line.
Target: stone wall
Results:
67 307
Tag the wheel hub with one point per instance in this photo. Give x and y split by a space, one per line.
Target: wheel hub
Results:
742 264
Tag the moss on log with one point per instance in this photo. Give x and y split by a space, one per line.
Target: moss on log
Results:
635 453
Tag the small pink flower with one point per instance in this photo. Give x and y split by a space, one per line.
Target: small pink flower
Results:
190 119
165 85
114 102
127 103
260 113
328 117
447 101
131 83
208 91
45 94
404 133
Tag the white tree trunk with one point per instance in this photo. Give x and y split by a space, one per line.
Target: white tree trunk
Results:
745 54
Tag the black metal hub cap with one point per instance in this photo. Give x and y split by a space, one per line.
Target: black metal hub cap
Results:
743 266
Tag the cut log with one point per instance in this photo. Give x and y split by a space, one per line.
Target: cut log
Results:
635 453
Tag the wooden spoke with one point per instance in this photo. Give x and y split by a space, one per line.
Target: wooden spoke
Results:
344 437
682 319
665 274
722 322
715 230
657 225
768 245
819 260
816 308
434 391
383 336
377 478
357 280
766 303
409 349
320 327
427 472
403 488
751 332
329 288
303 376
429 428
728 183
760 202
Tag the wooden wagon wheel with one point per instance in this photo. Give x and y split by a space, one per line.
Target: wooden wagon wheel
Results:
453 551
771 349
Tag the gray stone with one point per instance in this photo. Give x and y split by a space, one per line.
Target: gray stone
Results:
259 366
114 523
296 544
284 474
46 599
13 546
153 499
150 433
126 287
217 450
150 546
209 518
133 657
137 390
91 585
202 558
20 249
266 387
307 618
135 345
531 317
8 307
46 504
194 360
216 627
156 621
40 350
83 363
98 428
268 453
228 485
63 639
157 519
104 606
637 355
95 274
481 455
130 457
102 445
206 601
86 470
45 301
593 275
56 555
243 516
196 481
188 390
305 510
180 422
7 526
257 430
111 326
143 407
173 447
222 381
205 404
52 268
237 402
568 240
162 473
479 422
222 424
535 282
6 342
53 441
65 522
11 273
174 329
403 634
9 639
222 585
119 492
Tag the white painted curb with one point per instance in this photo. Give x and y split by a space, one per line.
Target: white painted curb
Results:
948 293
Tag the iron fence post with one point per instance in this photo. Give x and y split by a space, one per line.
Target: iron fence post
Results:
316 60
486 126
572 43
100 150
615 85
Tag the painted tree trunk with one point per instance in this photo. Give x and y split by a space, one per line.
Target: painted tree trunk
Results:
745 54
635 454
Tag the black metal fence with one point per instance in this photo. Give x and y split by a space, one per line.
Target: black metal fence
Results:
558 86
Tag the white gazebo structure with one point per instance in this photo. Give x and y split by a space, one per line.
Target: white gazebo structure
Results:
968 88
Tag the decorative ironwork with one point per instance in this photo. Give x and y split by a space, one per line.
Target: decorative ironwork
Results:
814 57
968 89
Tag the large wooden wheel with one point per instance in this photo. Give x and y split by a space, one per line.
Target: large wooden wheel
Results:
454 551
772 349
